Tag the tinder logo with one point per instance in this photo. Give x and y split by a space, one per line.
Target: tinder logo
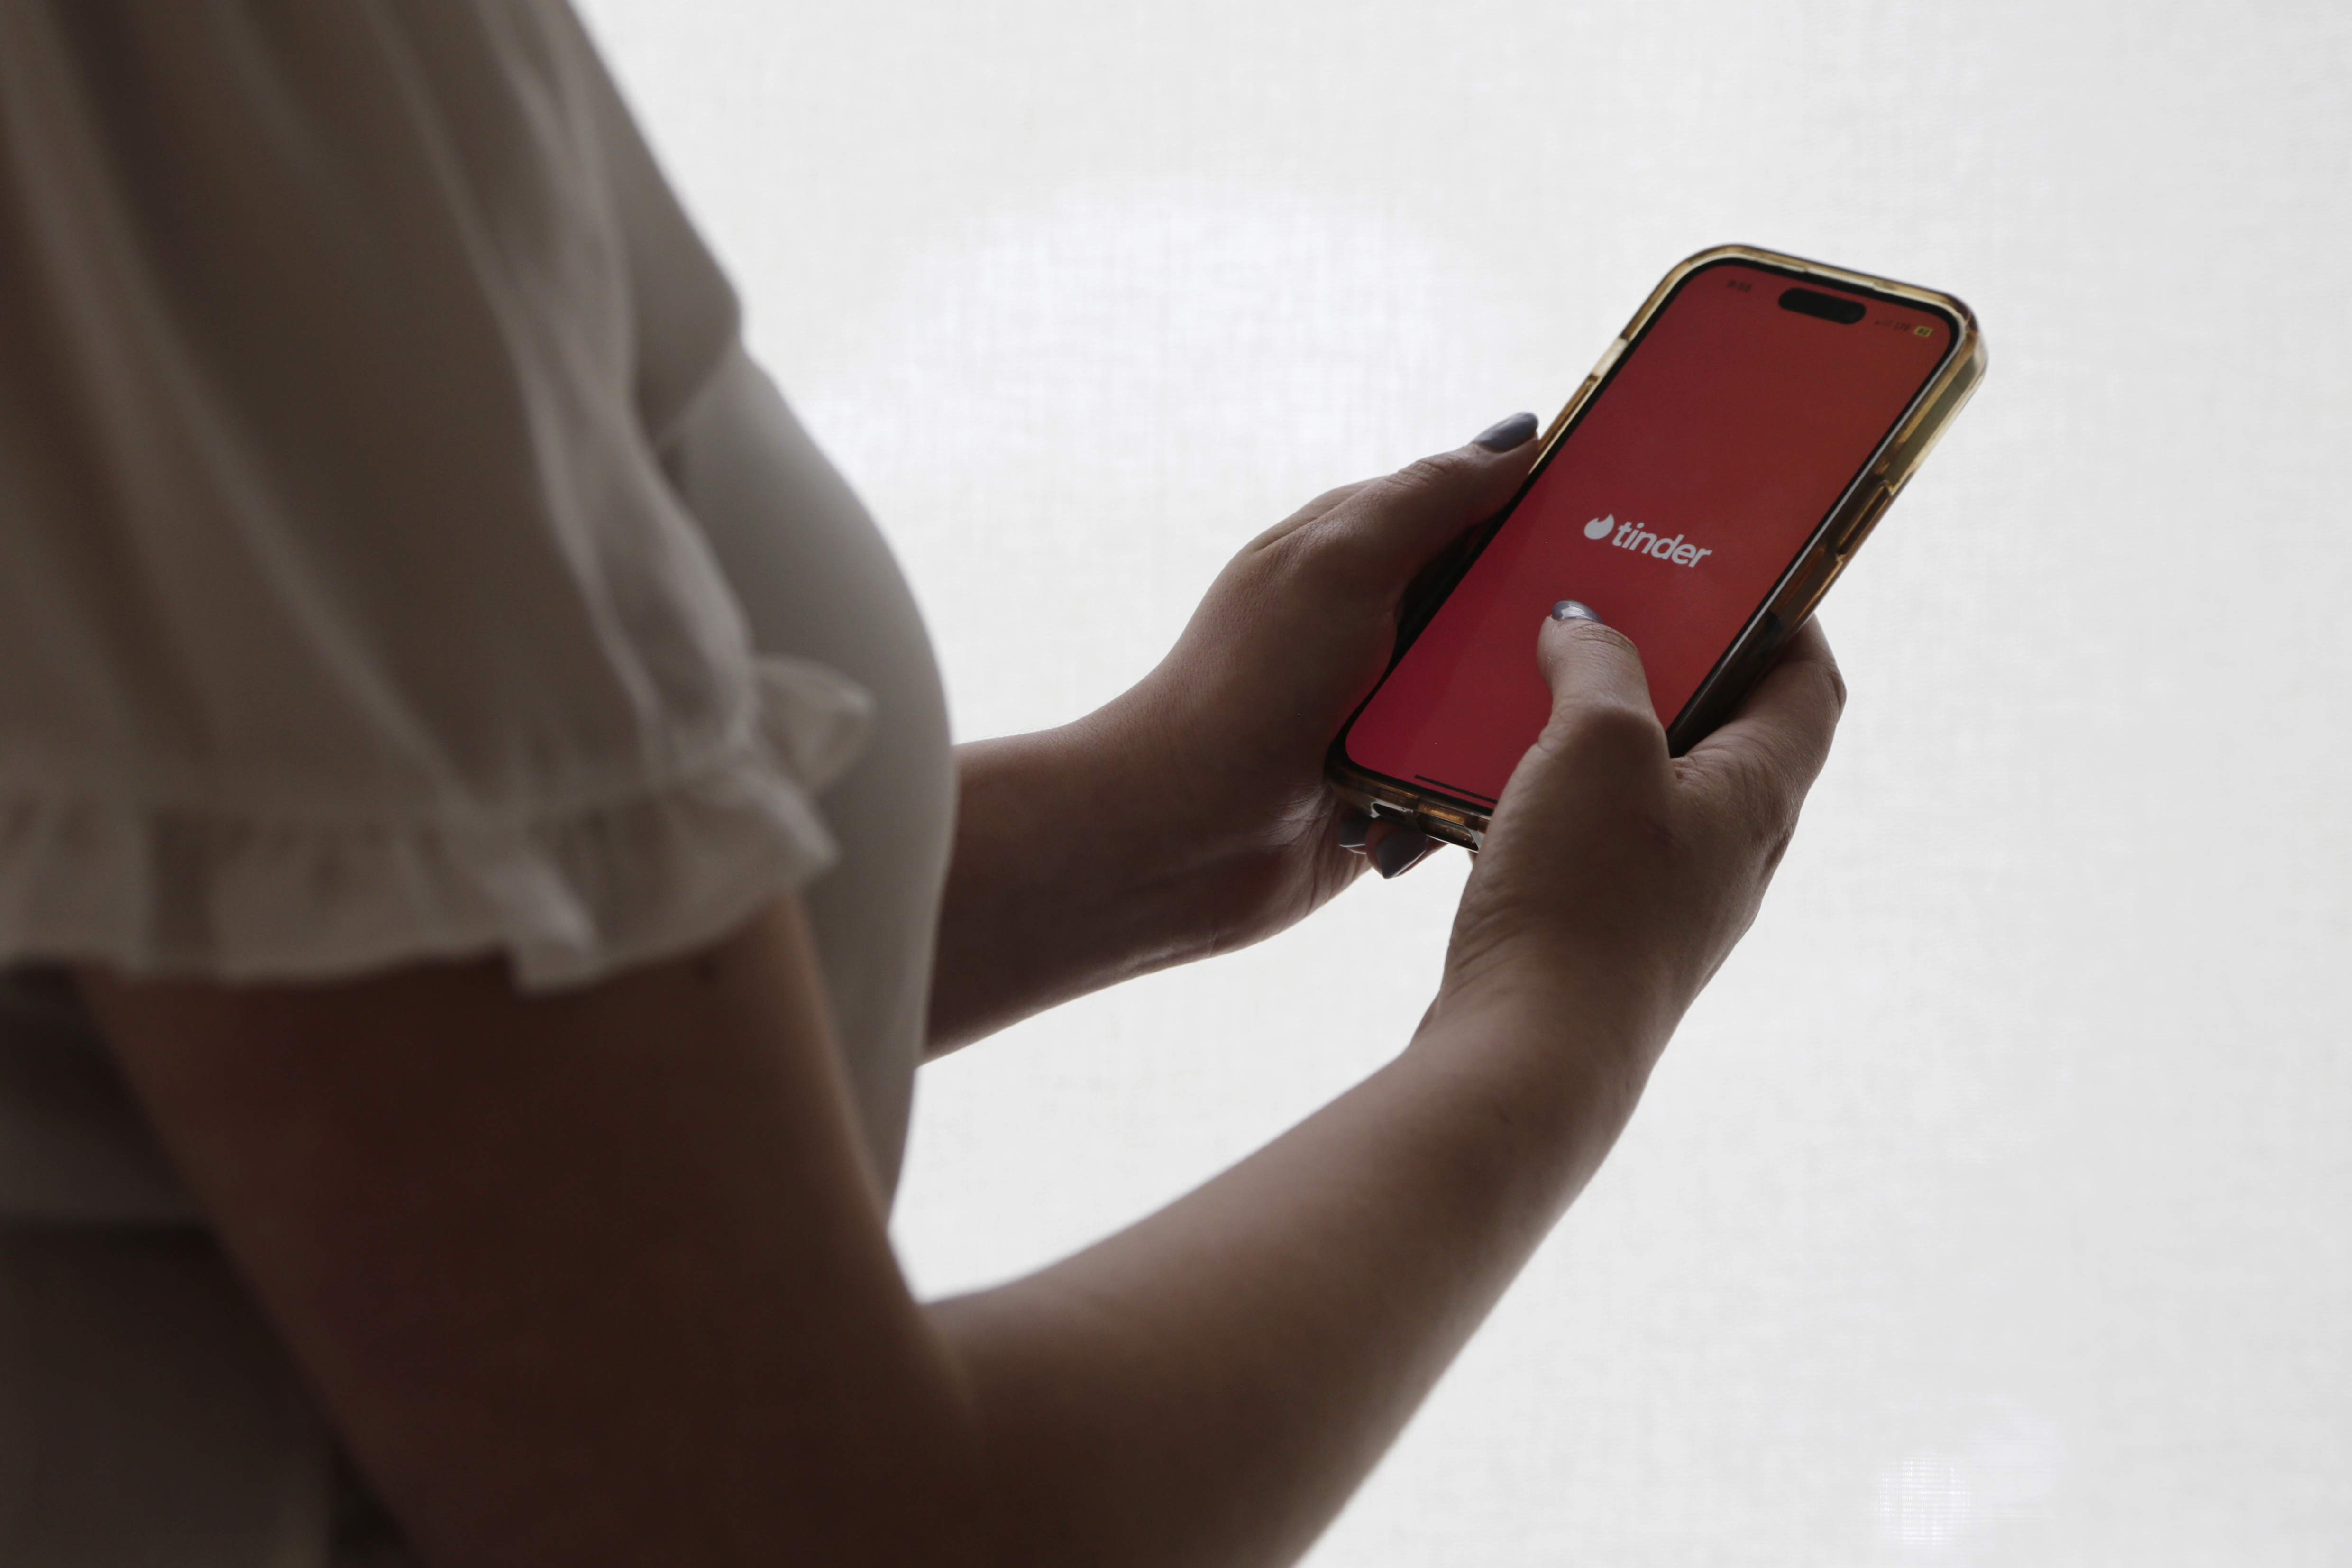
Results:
1633 536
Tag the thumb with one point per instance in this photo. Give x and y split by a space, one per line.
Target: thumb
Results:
1595 777
1598 688
1387 529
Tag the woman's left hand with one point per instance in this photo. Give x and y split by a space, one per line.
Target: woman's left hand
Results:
1190 815
1290 637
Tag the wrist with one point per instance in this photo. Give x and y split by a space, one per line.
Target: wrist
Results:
1560 1066
1576 1018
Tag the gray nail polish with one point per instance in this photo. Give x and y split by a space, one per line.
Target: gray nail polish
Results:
1352 828
1505 433
1400 852
1570 610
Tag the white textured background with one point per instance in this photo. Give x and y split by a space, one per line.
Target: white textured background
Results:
1995 1207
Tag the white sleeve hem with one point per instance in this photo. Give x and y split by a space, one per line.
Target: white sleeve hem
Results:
570 895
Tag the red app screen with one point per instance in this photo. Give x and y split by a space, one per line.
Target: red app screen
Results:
1690 484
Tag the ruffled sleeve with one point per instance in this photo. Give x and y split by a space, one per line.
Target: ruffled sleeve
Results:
570 892
346 617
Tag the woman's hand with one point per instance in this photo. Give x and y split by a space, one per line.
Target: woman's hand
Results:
1291 637
1191 816
1616 876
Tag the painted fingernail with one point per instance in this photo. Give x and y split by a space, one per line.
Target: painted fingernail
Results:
1400 852
1505 433
1570 610
1352 828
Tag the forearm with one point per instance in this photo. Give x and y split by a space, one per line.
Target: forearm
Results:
1210 1385
1064 880
571 1292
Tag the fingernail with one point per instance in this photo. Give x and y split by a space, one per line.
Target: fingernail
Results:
1400 852
1352 828
1505 433
1570 610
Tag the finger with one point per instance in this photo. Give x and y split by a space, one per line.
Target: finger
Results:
1601 758
1393 847
1599 692
1774 747
1385 531
1396 849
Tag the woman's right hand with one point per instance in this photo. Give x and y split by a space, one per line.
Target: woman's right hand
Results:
1618 878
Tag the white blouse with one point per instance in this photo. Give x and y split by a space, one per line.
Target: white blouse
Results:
399 559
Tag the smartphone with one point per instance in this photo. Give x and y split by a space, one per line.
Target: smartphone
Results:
1701 491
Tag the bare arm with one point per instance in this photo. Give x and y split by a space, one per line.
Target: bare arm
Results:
602 1278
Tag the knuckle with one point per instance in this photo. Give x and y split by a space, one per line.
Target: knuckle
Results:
1336 496
1592 637
1828 681
1765 819
1317 519
1423 475
1324 559
1770 840
1757 787
1835 677
1316 513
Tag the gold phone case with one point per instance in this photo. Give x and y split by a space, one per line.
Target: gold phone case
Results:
1800 588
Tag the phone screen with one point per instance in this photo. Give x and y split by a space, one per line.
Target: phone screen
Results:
1721 441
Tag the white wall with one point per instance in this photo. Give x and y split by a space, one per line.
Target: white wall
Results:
1995 1207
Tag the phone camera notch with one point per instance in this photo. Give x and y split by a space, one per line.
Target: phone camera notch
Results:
1828 307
